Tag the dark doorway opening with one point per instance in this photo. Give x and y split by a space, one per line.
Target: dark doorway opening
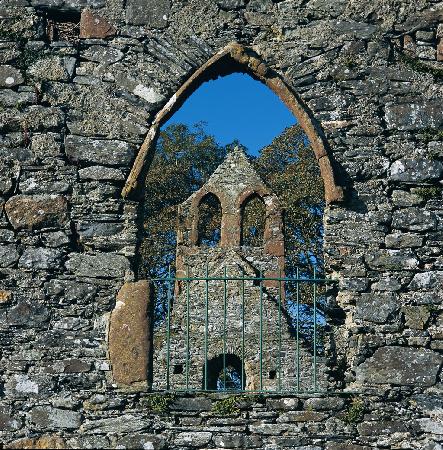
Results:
225 373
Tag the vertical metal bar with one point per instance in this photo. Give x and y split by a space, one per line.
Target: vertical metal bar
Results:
279 332
187 328
297 328
243 333
206 328
315 333
225 298
168 332
261 331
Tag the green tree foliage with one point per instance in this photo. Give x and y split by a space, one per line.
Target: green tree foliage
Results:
289 168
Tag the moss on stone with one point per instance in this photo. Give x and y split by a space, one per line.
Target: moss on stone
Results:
159 403
227 406
428 193
355 411
418 65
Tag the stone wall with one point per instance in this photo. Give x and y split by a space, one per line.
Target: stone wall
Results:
78 104
122 420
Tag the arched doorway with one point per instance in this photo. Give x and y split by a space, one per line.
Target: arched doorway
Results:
224 373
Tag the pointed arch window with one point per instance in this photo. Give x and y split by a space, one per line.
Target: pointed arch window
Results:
209 221
253 221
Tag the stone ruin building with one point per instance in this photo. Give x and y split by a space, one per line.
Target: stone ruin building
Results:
85 86
234 182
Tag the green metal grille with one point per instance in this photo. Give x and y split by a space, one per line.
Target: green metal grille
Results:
298 284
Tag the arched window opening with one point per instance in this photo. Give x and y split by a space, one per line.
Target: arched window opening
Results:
225 373
188 159
253 219
209 221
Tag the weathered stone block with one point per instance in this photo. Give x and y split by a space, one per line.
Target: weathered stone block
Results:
55 239
193 438
416 317
99 229
150 441
415 116
102 265
405 198
431 425
41 118
376 307
127 423
37 211
153 13
400 366
25 386
40 258
237 440
391 260
8 255
42 442
45 145
28 314
7 421
10 77
192 404
430 404
53 68
285 404
403 240
102 54
7 236
76 366
5 297
414 219
92 25
381 428
440 50
347 445
231 4
325 404
94 151
100 173
427 280
416 170
129 334
47 417
302 416
90 441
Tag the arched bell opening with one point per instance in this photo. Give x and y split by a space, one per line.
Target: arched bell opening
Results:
253 221
209 221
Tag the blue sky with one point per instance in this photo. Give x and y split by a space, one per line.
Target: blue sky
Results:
236 107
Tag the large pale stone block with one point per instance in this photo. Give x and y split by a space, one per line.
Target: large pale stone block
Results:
37 211
129 334
400 366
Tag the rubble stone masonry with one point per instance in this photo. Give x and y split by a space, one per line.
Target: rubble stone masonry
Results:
85 86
